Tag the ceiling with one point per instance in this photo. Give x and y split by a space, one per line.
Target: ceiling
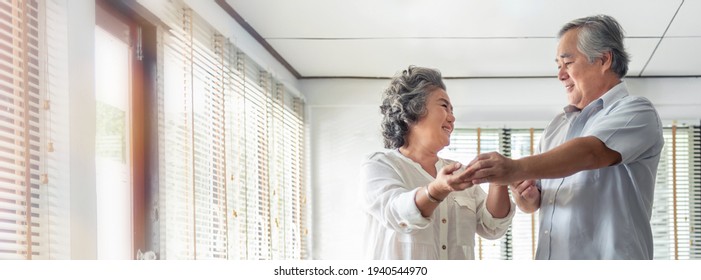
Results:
462 38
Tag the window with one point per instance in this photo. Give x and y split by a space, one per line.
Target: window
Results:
123 95
113 157
522 236
34 220
676 217
231 147
221 161
675 210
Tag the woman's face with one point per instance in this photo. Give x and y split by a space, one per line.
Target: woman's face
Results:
433 129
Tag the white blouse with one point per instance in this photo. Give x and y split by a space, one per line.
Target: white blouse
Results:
395 228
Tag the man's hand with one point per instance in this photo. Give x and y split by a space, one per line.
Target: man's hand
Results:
493 168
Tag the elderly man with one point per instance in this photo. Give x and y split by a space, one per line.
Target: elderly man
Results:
594 178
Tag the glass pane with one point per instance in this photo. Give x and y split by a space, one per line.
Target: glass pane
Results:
112 157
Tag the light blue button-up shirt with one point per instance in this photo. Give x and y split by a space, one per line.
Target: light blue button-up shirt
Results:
603 213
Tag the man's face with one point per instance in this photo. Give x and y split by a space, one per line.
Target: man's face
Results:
583 81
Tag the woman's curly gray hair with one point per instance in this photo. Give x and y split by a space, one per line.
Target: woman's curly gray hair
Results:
404 102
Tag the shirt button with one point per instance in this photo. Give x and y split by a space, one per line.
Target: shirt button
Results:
551 201
402 224
546 232
444 247
444 220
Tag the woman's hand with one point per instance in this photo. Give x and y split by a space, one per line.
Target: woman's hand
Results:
526 195
450 179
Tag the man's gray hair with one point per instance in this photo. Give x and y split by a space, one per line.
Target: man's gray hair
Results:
404 102
599 34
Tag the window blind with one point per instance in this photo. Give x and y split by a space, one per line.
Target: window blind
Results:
54 45
298 229
33 200
675 220
695 193
523 235
231 147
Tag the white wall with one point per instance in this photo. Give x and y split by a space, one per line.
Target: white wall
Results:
344 122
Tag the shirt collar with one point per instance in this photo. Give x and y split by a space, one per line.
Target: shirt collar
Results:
570 108
611 96
614 94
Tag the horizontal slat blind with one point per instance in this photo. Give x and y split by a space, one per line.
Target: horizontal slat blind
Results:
258 223
177 225
236 154
33 188
695 192
670 213
230 148
524 226
292 155
208 150
299 194
20 227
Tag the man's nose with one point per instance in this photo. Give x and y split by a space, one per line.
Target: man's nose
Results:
562 74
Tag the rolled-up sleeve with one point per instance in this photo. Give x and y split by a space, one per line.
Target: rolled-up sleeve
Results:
387 199
495 227
488 226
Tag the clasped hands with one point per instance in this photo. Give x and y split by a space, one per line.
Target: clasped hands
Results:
485 168
492 168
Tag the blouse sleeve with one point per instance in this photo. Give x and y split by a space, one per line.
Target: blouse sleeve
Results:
488 226
386 197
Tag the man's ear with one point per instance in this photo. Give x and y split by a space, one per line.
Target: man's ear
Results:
606 60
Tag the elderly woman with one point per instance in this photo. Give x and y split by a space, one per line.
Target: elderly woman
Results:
420 206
